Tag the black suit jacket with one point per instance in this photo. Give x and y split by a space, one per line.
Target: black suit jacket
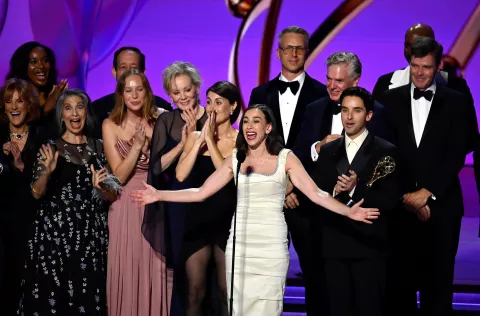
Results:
436 163
103 106
317 124
341 237
268 94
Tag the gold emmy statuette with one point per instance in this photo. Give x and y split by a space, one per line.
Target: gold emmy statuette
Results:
385 166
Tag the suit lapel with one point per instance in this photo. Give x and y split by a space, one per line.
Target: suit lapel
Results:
341 160
274 103
407 101
326 120
304 99
436 109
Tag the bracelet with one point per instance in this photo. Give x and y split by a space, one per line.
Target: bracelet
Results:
36 192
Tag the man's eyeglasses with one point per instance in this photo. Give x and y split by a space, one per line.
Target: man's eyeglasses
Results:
288 50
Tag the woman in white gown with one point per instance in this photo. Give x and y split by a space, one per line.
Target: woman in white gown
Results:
261 249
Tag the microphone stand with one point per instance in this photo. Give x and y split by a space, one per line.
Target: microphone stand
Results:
240 159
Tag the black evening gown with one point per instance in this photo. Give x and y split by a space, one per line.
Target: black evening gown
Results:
18 211
65 270
208 223
163 223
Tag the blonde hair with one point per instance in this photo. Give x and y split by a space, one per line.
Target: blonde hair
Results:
179 68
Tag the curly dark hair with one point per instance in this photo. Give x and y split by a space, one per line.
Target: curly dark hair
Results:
273 141
361 93
19 64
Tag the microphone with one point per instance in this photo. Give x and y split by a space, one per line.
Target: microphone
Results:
241 155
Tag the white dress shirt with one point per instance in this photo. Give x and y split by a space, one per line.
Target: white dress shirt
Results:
337 128
420 111
352 146
288 103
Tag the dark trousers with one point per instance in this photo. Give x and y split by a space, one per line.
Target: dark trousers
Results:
298 222
356 287
423 260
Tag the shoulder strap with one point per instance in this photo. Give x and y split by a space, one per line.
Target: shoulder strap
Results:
234 164
282 156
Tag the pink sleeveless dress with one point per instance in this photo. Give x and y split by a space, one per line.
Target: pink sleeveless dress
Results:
138 282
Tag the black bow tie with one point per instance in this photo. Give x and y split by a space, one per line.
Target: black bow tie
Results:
427 94
293 85
335 108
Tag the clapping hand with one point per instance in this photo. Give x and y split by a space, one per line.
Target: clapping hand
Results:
55 94
98 177
12 148
361 214
48 159
189 115
209 127
346 183
140 136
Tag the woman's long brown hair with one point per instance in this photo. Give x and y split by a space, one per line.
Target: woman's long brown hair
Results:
149 108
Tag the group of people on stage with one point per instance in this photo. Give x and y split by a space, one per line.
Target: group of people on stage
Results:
131 205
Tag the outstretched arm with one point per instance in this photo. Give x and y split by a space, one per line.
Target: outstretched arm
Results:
304 183
212 185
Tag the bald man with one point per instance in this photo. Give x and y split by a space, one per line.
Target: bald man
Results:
401 77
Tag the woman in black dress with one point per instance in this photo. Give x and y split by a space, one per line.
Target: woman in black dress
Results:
65 271
163 223
208 223
20 138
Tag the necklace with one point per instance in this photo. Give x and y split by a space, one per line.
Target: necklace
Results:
18 136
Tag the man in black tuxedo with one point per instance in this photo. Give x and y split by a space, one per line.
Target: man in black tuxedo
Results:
288 95
401 77
124 59
354 254
432 127
322 121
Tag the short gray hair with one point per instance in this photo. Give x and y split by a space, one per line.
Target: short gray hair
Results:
349 59
179 68
296 30
89 122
